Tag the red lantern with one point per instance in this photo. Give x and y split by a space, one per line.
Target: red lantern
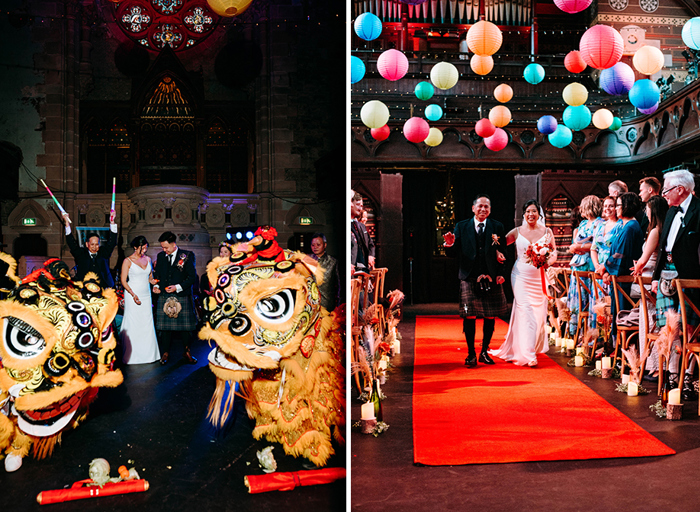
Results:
572 6
382 133
484 128
416 129
573 62
497 141
601 46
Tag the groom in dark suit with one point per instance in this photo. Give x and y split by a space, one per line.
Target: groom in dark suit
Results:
176 274
477 241
93 257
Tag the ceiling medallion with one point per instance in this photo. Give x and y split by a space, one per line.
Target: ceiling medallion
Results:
618 5
649 5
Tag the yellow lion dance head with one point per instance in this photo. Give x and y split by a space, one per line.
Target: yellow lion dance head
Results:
57 349
273 337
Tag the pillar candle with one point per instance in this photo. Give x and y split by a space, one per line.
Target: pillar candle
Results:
397 346
674 396
578 360
579 351
557 342
606 362
368 411
598 365
570 343
625 378
382 364
632 389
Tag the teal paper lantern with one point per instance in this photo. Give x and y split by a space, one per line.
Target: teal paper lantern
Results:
616 124
534 73
357 69
433 112
577 118
691 33
368 26
561 137
644 94
424 90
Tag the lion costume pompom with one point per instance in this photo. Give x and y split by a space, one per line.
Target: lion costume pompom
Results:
57 349
274 338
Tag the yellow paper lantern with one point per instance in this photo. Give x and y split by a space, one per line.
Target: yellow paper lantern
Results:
374 114
499 116
229 8
481 64
503 93
444 75
575 94
434 137
484 38
648 60
603 119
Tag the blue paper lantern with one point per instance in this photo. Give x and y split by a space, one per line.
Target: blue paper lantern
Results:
424 90
357 69
617 80
616 124
368 26
433 112
577 118
644 94
561 137
691 33
534 73
547 124
649 110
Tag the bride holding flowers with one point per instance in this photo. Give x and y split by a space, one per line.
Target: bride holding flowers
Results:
535 249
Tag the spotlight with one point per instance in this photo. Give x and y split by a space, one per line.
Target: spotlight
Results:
249 235
239 235
228 236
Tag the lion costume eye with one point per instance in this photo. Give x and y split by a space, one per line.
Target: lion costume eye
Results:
277 308
21 339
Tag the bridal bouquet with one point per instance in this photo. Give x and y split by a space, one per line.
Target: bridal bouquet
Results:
537 254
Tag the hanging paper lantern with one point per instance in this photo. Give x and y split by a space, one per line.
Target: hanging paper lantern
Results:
534 73
484 128
368 26
648 60
573 62
381 133
392 65
424 90
691 33
481 64
547 124
228 8
572 6
561 137
503 93
416 129
499 116
602 118
444 75
617 80
601 46
616 124
644 94
577 118
497 141
434 137
374 114
484 38
412 2
575 94
649 110
433 112
357 69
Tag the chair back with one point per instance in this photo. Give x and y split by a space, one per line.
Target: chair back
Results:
356 287
376 277
620 295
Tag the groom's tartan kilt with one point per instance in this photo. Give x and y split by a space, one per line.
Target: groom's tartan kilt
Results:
186 319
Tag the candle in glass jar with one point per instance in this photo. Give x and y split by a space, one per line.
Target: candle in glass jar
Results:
632 389
578 360
674 396
367 411
598 365
606 362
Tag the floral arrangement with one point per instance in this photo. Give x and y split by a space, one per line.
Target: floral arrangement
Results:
537 254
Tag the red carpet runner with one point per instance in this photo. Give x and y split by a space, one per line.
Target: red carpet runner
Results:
508 413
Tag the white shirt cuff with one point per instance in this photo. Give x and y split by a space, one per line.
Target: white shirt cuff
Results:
68 230
113 228
178 288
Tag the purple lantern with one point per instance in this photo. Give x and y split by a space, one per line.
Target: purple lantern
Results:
412 2
649 110
547 124
617 80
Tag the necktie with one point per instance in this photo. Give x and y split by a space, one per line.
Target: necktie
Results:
481 229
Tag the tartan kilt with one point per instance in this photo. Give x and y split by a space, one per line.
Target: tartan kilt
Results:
186 320
488 305
664 303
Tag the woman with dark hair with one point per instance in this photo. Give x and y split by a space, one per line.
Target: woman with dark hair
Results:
526 336
138 333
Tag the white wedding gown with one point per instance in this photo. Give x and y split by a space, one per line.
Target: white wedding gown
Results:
526 337
138 333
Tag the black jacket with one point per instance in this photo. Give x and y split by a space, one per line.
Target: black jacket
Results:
99 265
182 272
465 246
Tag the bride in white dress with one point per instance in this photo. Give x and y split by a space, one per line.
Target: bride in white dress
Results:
526 336
138 333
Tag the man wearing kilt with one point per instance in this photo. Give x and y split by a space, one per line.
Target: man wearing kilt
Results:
176 274
476 242
678 251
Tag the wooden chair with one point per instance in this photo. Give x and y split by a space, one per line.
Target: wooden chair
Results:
624 332
599 295
376 278
357 285
690 333
650 335
580 278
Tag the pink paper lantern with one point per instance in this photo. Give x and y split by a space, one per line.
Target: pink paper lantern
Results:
416 129
484 128
601 46
573 62
392 65
572 6
497 141
381 133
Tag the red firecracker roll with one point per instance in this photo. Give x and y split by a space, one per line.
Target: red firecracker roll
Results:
79 491
288 481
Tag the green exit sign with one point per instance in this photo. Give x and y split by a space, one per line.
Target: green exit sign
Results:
306 221
27 221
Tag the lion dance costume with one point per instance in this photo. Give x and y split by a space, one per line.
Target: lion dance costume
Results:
57 350
273 338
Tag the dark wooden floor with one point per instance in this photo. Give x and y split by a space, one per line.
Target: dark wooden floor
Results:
385 478
157 419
